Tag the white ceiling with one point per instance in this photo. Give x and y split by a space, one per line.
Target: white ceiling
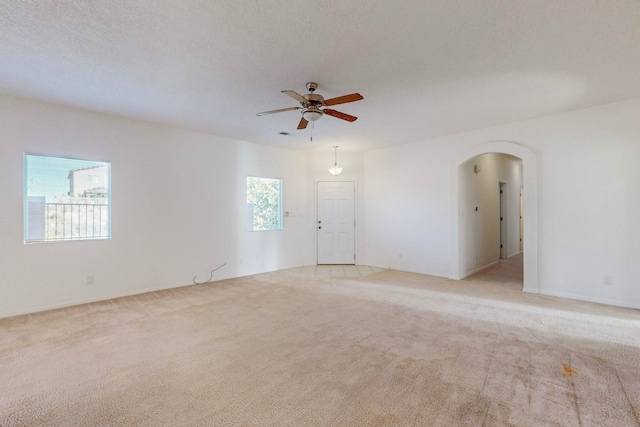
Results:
425 68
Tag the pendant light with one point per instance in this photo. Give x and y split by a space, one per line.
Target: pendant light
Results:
335 170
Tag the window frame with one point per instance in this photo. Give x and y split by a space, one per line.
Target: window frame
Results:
280 209
25 197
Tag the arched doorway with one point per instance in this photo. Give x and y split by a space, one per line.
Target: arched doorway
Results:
530 224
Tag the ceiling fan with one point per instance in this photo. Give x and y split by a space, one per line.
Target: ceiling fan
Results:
312 105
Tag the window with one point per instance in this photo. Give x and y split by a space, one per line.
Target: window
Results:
264 203
65 199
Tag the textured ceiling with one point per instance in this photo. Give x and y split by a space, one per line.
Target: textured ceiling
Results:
425 68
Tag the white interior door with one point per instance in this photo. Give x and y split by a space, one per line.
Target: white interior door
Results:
336 222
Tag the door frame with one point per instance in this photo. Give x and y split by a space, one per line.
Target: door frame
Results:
530 201
355 216
521 221
502 213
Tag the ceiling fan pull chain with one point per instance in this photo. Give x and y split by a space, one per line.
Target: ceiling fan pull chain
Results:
312 126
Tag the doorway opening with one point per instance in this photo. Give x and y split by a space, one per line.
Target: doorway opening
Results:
470 244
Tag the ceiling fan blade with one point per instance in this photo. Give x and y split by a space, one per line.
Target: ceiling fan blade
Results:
295 95
278 111
343 99
303 123
340 115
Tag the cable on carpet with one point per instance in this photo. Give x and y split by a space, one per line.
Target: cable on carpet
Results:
210 276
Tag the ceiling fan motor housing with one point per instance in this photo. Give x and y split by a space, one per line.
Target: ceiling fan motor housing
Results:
314 100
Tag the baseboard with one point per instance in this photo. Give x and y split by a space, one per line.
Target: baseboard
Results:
518 252
39 309
589 299
477 270
426 273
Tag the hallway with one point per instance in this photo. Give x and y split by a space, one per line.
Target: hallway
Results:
506 271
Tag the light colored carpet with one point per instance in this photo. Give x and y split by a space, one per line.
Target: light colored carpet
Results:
302 348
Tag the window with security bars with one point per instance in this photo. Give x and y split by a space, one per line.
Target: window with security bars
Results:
66 199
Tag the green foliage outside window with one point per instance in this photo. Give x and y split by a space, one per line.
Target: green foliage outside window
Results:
264 196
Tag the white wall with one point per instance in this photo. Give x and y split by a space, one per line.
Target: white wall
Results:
480 228
272 250
406 208
178 208
587 201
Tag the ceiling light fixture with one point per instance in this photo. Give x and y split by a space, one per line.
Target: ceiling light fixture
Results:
312 114
335 170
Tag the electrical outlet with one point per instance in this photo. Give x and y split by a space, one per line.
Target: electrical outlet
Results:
89 280
607 280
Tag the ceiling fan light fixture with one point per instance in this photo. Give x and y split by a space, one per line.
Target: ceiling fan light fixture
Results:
335 170
312 114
